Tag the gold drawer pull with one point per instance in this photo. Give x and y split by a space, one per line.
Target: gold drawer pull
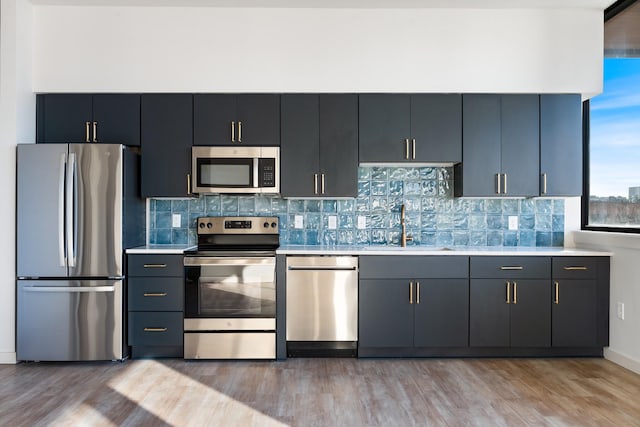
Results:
155 329
155 265
556 300
155 294
576 268
512 268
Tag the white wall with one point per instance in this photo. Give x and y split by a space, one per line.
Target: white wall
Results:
624 347
150 49
17 124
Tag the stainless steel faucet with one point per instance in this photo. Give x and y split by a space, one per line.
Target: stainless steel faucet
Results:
404 238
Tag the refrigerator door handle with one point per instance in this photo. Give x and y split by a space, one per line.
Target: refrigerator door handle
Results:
61 181
69 289
71 199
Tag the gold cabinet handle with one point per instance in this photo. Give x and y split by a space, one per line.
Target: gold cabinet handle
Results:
508 292
322 183
556 300
155 329
505 183
239 131
515 292
576 268
86 132
95 131
155 265
413 145
406 148
499 183
315 183
155 294
410 292
233 131
417 292
512 267
188 183
544 183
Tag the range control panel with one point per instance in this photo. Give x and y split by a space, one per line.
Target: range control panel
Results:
238 225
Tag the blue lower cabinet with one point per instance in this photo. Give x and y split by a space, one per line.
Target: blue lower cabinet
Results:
155 300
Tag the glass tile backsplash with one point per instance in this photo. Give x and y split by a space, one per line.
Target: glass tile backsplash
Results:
433 216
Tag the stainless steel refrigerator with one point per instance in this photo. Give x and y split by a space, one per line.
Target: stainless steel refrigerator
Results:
78 208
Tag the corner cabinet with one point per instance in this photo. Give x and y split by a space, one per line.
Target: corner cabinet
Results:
560 145
319 146
155 297
412 305
501 140
236 119
509 302
167 134
108 118
396 128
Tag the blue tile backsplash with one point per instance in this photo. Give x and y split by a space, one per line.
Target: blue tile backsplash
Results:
433 216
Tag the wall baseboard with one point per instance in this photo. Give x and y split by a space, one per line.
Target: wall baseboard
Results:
622 360
8 358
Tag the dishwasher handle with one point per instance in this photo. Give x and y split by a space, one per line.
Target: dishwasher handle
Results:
322 268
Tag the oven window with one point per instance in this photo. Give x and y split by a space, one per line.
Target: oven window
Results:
232 291
225 172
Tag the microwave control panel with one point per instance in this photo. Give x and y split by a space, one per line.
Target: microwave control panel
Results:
266 172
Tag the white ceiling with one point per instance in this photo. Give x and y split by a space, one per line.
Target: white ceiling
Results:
364 4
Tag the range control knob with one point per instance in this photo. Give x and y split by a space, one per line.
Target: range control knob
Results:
274 224
209 225
201 225
266 225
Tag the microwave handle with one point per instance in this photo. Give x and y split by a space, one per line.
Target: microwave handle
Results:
255 172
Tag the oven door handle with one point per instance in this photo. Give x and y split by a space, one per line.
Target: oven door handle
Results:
228 261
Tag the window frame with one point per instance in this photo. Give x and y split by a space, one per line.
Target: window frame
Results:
609 13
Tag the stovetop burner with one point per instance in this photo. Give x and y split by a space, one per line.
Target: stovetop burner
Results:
226 236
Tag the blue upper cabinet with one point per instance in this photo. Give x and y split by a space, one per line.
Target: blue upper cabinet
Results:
398 128
501 147
108 118
561 145
236 119
319 153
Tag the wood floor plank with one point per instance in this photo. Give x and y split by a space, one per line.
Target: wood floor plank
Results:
322 392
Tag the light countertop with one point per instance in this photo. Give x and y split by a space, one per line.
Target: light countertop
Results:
159 249
430 250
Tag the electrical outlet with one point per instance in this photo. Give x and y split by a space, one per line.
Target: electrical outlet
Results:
362 222
621 311
176 219
297 222
333 222
513 222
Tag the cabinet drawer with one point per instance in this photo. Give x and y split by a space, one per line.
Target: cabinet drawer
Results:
515 267
156 293
575 267
411 267
155 265
155 328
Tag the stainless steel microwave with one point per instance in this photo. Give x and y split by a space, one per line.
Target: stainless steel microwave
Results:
235 169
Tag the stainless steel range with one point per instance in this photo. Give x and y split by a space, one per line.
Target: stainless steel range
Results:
230 289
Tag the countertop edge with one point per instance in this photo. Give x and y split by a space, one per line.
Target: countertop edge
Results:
164 249
440 252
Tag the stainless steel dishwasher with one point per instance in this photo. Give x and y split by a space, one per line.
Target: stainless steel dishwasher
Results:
322 306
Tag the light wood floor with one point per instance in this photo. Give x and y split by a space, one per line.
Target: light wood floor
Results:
322 392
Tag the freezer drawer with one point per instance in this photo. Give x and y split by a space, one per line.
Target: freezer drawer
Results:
67 320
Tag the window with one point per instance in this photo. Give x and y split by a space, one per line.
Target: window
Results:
612 174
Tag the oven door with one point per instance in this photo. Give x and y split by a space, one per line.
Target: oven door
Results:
229 287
